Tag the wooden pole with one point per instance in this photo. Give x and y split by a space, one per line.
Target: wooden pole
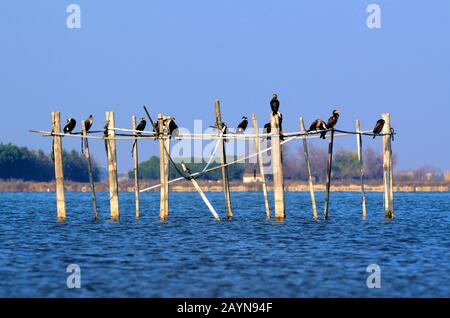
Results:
387 167
277 167
361 167
136 168
223 158
166 166
308 168
261 165
112 168
202 195
162 171
87 154
330 166
59 173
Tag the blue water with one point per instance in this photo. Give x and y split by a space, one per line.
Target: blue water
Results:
192 255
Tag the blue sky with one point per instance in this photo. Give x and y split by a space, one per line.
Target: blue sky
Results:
178 56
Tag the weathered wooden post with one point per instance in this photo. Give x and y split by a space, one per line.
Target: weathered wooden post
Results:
361 167
387 167
59 173
87 154
202 195
136 166
223 158
112 167
308 168
277 167
329 168
166 163
261 165
164 177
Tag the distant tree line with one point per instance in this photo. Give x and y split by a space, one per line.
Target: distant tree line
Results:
345 164
21 163
149 170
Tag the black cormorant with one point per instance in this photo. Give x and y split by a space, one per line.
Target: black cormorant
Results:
378 127
70 126
267 128
141 125
319 124
173 128
88 123
242 126
275 104
332 121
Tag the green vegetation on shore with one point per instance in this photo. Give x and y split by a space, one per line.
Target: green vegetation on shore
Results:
21 163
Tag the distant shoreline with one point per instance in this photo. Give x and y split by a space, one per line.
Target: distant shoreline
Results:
235 186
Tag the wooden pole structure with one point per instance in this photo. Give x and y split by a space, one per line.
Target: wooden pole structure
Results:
202 195
136 168
261 165
112 167
308 168
329 168
277 167
387 167
59 173
223 158
361 167
87 154
166 166
164 178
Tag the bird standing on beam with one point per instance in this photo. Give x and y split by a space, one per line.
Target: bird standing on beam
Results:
242 126
319 124
378 127
173 128
332 121
70 126
275 104
88 123
140 127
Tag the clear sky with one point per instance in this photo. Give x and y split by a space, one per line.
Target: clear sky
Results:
178 56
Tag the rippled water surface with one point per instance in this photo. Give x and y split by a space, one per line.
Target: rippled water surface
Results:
192 255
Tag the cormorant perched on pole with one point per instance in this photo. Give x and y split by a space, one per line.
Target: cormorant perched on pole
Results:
275 104
173 128
267 128
378 127
87 126
332 121
70 126
319 124
141 126
88 123
242 126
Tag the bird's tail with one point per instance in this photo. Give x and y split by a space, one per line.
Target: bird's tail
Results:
374 136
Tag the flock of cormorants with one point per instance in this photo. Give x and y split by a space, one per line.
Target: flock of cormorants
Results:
317 125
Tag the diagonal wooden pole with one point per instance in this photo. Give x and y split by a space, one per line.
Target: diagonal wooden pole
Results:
329 169
261 165
87 154
361 167
308 169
